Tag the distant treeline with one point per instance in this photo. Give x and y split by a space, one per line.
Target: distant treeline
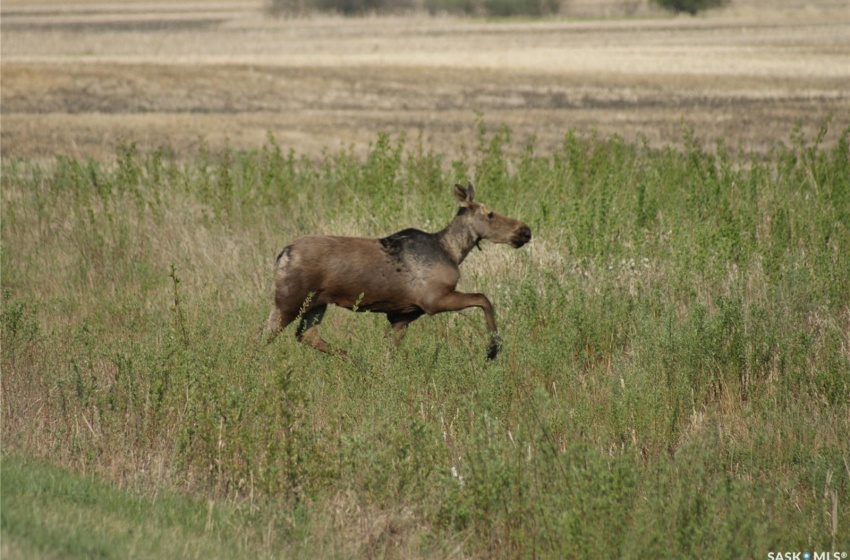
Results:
486 8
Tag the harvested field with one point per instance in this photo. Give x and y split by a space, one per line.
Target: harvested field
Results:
77 79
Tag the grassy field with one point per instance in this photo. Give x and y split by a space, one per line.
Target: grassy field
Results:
674 381
48 512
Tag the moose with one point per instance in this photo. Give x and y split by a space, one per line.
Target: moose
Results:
405 275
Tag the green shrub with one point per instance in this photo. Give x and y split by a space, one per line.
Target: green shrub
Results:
507 8
344 7
491 8
461 7
690 6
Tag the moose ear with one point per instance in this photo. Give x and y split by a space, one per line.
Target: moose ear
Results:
464 195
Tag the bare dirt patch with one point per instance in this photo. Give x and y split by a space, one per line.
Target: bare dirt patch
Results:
77 79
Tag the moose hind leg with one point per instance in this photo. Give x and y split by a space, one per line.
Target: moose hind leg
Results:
276 322
308 331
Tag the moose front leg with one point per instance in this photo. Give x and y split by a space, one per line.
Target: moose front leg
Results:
457 301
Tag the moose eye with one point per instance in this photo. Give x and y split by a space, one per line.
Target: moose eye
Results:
490 215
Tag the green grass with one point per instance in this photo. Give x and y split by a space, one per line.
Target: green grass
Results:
675 379
48 512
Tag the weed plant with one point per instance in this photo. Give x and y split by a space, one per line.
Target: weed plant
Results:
675 378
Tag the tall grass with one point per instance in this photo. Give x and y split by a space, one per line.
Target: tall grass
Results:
675 379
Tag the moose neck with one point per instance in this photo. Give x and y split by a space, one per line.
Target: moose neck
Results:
458 238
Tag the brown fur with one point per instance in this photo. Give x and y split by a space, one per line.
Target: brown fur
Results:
405 275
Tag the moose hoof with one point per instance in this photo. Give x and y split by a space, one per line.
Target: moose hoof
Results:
494 347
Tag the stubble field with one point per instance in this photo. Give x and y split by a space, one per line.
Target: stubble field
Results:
674 380
75 80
